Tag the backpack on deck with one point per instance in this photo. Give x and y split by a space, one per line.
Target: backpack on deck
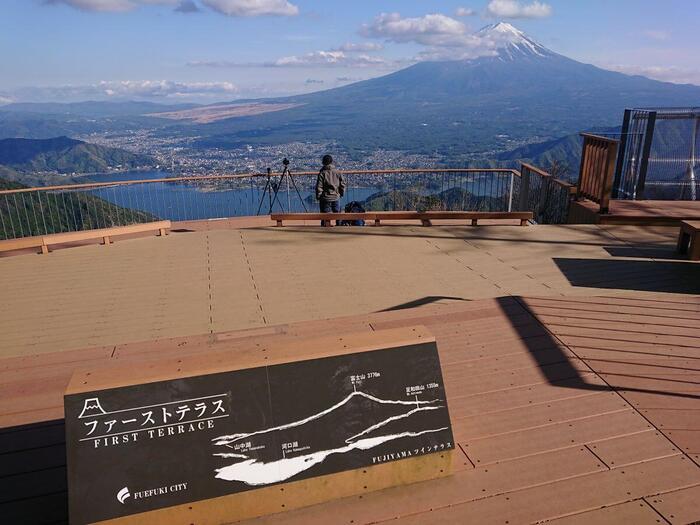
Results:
353 207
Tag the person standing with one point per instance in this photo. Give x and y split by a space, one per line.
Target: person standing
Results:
330 187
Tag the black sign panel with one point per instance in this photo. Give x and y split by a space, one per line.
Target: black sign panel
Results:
144 447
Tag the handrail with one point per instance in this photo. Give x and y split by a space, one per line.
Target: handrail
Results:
570 187
83 206
599 137
235 176
547 197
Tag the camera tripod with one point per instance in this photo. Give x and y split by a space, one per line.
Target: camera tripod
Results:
272 189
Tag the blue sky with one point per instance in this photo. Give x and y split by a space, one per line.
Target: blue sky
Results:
210 50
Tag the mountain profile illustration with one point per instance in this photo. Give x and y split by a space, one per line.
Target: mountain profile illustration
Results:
91 408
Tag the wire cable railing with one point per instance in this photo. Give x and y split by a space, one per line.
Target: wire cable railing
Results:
26 212
547 197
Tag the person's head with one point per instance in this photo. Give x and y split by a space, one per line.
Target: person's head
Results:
327 160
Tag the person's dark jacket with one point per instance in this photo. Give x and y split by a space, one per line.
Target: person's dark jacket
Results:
330 185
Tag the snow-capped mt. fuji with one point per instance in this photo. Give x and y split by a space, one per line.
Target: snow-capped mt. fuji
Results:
508 42
507 88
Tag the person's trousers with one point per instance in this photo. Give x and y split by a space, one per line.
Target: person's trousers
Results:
329 207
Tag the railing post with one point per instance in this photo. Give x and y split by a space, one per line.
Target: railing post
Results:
582 170
524 196
542 203
621 153
510 192
608 175
644 165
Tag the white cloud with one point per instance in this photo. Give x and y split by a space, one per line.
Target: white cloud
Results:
224 7
657 35
362 47
329 59
352 58
111 6
465 11
517 9
430 30
677 75
252 7
165 88
130 89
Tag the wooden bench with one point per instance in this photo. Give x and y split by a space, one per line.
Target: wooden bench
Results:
689 239
45 241
23 243
426 217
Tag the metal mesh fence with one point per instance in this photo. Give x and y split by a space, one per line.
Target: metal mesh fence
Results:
660 155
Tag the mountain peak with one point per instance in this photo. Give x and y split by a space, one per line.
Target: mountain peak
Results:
510 42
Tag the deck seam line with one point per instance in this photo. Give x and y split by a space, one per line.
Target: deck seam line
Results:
466 455
252 278
602 392
596 455
627 331
554 423
572 299
574 445
644 499
629 321
652 343
543 382
536 485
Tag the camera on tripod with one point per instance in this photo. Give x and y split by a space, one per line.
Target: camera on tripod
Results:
272 189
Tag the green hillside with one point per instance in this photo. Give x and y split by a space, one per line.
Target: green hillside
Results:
66 155
456 199
39 213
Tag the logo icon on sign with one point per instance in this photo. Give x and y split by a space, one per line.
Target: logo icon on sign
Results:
91 408
123 495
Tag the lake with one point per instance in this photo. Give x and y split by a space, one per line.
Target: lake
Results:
187 201
209 200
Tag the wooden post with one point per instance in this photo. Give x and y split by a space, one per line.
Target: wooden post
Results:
608 177
475 222
279 222
524 188
106 240
582 170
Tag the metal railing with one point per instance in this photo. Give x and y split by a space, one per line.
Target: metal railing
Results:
659 154
547 197
35 211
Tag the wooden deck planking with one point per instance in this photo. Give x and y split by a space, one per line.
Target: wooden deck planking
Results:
638 512
633 448
507 420
216 280
519 399
678 507
494 449
557 498
468 486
